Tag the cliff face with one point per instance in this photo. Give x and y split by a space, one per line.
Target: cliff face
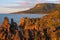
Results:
6 33
44 28
52 18
43 8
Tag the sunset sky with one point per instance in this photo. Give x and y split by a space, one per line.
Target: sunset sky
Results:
7 6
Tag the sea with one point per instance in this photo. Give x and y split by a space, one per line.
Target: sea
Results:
17 17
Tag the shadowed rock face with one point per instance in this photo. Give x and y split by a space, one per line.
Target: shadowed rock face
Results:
44 28
42 9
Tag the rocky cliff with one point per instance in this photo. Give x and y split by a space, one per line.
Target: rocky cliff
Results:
44 28
6 32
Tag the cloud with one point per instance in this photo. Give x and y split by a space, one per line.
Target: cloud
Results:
10 10
24 3
18 5
49 1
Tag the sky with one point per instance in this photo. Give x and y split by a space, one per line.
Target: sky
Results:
8 6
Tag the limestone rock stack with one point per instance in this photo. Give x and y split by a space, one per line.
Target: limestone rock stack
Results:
44 28
5 31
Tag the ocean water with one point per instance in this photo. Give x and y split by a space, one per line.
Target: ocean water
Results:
17 17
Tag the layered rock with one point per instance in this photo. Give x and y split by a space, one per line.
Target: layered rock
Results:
4 29
6 33
44 28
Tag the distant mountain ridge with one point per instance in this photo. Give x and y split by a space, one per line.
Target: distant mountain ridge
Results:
41 8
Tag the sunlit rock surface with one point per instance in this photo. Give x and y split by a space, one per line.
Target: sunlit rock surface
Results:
44 28
6 33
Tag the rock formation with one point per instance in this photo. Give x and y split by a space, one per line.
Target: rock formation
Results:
5 29
6 33
44 28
